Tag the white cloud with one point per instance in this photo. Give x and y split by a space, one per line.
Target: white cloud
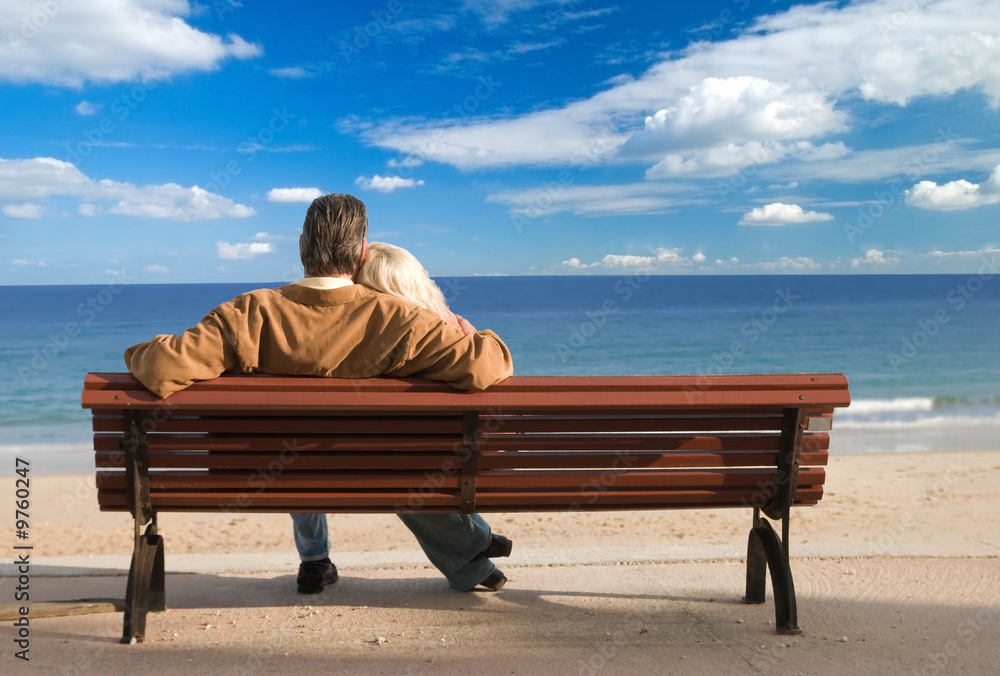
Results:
575 264
494 12
27 210
949 153
789 263
671 257
43 177
626 261
955 195
305 195
86 108
729 158
39 178
593 200
387 183
408 162
939 255
779 213
874 257
732 93
734 110
290 73
172 201
157 269
70 43
242 251
661 257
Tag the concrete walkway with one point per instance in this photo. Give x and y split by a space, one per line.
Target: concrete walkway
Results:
926 609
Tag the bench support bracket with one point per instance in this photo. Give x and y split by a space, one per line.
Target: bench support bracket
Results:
786 475
470 461
765 550
145 590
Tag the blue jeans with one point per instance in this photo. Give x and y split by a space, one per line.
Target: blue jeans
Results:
452 542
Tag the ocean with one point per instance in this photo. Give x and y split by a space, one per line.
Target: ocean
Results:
920 351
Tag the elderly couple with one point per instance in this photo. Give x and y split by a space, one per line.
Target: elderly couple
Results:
363 309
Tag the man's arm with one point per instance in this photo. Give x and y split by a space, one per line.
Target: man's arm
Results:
170 363
466 362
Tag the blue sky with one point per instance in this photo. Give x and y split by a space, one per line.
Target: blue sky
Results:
171 141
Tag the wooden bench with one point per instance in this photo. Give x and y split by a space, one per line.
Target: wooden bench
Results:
277 444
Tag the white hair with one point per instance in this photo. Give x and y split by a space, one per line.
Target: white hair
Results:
392 269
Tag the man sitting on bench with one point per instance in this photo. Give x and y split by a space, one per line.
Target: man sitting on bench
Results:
325 325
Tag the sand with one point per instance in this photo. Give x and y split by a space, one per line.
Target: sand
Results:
895 572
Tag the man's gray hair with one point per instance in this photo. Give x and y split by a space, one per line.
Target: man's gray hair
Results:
336 225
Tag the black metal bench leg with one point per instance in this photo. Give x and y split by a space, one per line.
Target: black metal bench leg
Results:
145 590
764 551
756 570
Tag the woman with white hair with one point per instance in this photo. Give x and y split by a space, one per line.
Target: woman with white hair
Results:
394 270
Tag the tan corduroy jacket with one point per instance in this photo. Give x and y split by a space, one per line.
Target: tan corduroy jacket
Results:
348 332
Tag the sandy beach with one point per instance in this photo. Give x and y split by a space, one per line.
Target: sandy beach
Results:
895 571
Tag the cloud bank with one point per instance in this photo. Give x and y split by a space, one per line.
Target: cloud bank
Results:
955 195
102 41
305 195
42 178
716 107
779 213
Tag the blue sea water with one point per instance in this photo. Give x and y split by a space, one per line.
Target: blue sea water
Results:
920 351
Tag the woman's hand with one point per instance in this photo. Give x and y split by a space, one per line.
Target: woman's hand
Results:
464 324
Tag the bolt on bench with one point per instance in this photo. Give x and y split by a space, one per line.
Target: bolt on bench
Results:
280 444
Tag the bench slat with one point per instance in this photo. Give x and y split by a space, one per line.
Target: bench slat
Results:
487 442
357 424
518 394
582 481
486 502
435 461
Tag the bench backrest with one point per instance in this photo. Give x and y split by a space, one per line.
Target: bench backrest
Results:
277 444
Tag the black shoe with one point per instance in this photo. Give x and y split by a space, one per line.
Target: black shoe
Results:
495 581
499 546
314 575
